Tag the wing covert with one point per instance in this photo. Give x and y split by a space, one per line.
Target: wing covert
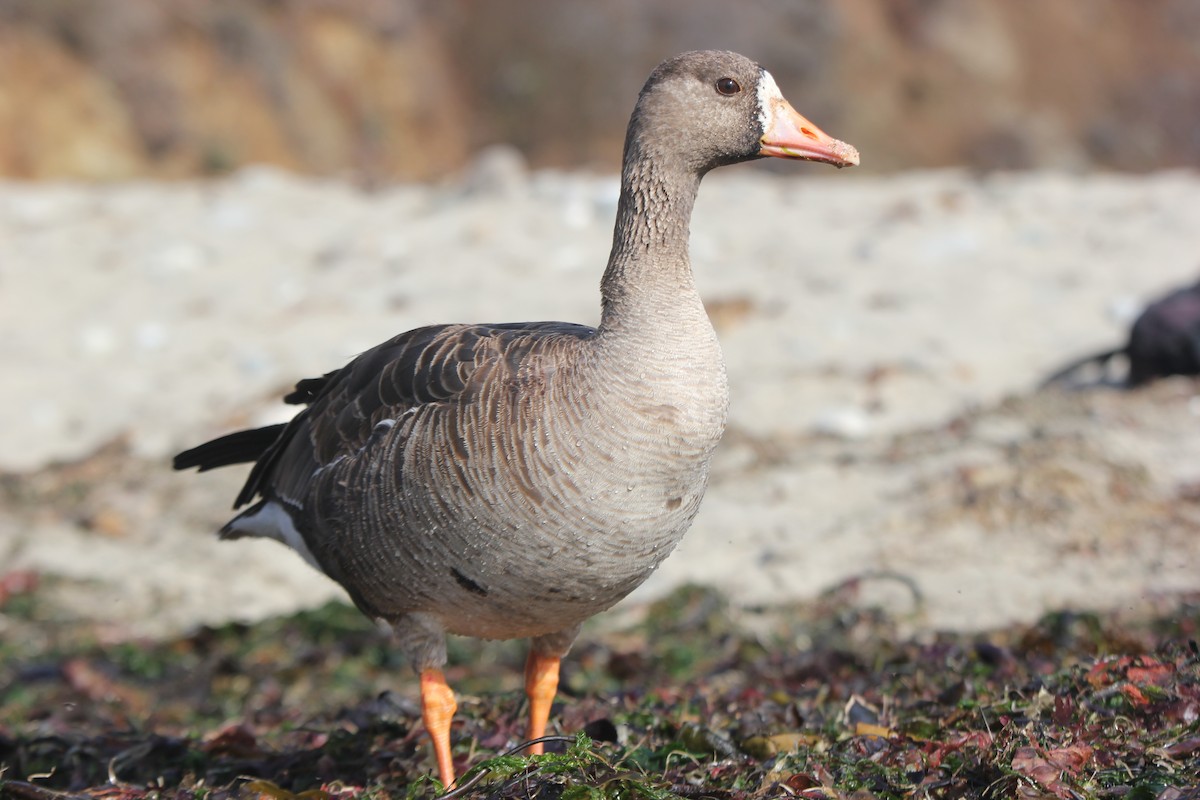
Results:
430 365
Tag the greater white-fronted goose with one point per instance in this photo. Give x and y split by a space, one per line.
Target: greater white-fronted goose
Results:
510 481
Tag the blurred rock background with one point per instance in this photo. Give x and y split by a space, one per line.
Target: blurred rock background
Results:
384 90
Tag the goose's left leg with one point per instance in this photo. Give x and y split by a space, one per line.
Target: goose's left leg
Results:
541 679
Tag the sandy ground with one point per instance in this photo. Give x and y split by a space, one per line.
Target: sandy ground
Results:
884 338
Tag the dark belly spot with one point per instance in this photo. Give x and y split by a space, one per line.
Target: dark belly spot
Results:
467 583
535 497
674 503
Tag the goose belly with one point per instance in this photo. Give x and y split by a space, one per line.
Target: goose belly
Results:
560 568
527 532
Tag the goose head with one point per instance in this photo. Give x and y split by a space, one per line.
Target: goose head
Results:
714 107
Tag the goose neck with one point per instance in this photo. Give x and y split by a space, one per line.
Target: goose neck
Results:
649 262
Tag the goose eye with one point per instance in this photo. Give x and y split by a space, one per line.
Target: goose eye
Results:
728 86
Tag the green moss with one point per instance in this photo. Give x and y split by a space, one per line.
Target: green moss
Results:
322 701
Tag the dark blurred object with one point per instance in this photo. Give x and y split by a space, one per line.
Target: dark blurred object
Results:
381 90
1164 340
602 730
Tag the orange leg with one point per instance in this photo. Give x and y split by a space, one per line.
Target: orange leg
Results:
437 709
541 684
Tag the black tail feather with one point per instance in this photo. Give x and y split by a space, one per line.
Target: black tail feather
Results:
309 389
240 447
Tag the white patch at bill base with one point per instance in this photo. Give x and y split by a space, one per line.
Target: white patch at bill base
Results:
769 98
